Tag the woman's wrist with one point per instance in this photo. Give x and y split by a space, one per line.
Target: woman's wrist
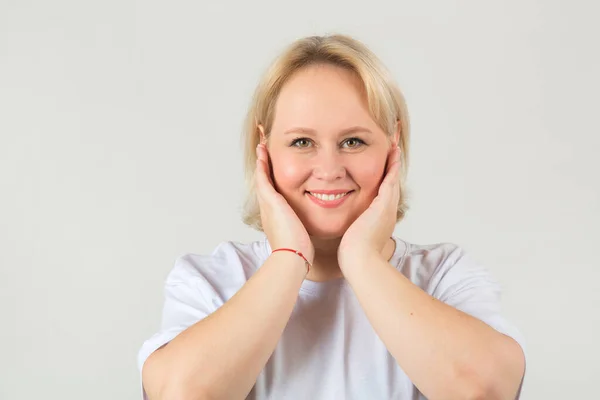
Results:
297 261
358 257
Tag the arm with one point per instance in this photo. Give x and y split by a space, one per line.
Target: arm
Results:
447 353
221 355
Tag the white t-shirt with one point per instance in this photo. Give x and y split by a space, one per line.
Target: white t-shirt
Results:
328 349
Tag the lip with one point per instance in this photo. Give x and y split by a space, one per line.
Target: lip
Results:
330 203
336 191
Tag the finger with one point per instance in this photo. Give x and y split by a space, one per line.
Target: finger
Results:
389 189
392 174
262 177
263 180
263 154
389 161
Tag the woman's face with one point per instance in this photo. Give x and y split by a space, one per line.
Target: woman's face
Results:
324 141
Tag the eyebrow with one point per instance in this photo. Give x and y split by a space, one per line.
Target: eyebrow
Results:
308 131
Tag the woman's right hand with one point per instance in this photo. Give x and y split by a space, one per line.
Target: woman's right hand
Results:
279 221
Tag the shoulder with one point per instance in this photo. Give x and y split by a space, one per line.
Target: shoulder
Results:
441 266
230 264
432 255
424 261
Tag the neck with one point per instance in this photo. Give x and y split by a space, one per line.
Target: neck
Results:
325 265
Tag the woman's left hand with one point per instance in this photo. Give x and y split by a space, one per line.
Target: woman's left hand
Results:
370 232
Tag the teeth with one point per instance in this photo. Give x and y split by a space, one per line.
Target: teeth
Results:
328 197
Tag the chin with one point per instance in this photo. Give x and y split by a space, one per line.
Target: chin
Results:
327 230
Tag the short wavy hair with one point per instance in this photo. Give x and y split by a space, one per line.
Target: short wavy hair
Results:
386 103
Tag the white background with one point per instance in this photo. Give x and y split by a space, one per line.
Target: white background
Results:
120 150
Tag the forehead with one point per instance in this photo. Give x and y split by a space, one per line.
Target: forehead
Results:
322 97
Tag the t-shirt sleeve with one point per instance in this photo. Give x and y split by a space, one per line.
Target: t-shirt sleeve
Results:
469 287
185 304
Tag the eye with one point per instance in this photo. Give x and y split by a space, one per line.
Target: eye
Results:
300 142
354 142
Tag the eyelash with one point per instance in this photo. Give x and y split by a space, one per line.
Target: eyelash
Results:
360 142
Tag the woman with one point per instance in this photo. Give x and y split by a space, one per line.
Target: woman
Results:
330 305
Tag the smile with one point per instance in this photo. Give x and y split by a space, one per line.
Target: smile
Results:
329 200
328 197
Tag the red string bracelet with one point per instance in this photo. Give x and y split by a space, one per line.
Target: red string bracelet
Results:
297 252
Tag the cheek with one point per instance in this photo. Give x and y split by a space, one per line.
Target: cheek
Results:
288 174
368 175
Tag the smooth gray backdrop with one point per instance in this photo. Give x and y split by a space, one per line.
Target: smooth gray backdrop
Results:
119 151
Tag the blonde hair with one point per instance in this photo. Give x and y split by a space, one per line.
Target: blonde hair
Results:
385 101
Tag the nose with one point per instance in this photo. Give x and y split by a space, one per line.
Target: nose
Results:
328 165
